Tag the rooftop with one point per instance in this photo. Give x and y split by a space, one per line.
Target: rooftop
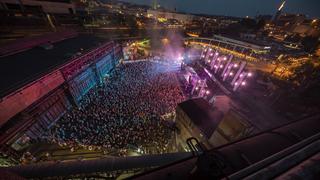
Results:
243 40
20 69
202 114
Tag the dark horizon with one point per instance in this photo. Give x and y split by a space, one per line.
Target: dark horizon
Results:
237 8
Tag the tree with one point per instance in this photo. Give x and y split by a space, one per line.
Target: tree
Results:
132 23
248 23
310 43
302 71
260 24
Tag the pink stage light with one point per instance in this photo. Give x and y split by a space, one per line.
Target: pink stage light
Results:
221 66
249 74
231 73
207 92
243 83
235 65
217 54
225 58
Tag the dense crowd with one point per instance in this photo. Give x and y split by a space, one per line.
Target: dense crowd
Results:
125 113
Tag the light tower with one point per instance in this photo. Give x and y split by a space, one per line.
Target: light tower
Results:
154 4
278 13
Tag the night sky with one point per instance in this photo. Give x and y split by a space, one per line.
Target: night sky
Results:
239 8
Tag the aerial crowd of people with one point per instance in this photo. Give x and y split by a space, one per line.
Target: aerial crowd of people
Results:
126 113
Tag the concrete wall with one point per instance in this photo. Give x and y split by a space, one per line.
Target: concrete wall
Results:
231 128
24 97
187 129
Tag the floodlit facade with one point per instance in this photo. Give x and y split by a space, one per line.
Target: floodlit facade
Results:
184 18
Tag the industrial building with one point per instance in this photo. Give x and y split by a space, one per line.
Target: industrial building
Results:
184 18
213 125
33 97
